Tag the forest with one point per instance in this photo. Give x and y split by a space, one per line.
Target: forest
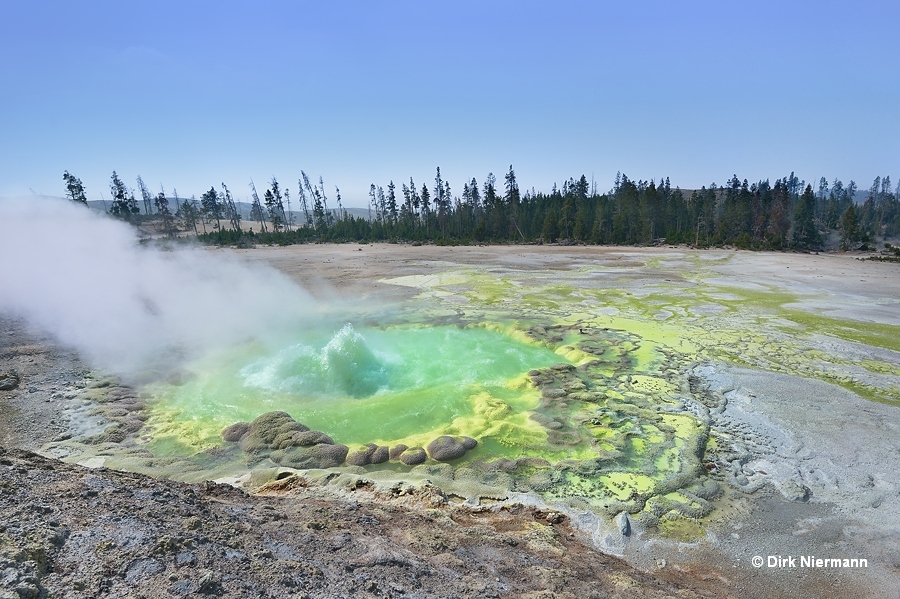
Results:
789 214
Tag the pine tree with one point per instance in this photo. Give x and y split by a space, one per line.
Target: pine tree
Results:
379 198
319 218
256 209
442 202
74 188
189 215
211 207
512 188
123 205
146 196
567 214
274 206
289 217
550 230
849 227
392 203
373 204
230 210
806 235
342 214
303 187
162 208
425 199
324 199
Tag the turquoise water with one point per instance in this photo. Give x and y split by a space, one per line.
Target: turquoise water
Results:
359 386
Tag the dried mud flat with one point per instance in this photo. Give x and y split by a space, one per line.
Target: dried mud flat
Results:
804 477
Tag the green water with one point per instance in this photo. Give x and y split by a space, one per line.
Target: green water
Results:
368 385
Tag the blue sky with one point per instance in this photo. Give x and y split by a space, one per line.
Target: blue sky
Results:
190 94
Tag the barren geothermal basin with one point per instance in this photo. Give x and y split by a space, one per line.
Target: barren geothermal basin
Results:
686 409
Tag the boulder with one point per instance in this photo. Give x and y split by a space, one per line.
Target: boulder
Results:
323 455
267 428
623 522
9 380
380 455
794 491
310 438
413 456
329 455
362 457
468 442
446 448
233 433
396 450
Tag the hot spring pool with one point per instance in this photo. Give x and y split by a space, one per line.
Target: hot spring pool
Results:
366 385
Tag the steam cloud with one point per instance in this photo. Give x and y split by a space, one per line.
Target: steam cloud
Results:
84 278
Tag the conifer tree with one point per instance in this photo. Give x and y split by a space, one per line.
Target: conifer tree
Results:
392 203
211 208
123 205
550 230
74 188
373 204
849 227
146 196
512 188
342 214
162 209
806 235
303 186
230 209
275 206
256 209
425 200
189 214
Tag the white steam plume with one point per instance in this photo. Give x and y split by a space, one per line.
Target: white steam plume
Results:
84 278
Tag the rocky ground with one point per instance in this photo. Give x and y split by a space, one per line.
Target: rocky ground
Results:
68 531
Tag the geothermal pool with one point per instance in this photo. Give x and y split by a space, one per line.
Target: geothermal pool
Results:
401 384
585 383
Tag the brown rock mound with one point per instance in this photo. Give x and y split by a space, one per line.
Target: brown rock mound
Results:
287 442
446 448
413 456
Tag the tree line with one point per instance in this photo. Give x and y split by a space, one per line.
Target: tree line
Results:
789 214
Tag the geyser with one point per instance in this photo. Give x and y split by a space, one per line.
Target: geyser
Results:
387 385
345 366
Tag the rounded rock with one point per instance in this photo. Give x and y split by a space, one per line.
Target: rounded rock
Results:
323 455
380 455
310 438
395 451
271 430
446 448
362 457
413 456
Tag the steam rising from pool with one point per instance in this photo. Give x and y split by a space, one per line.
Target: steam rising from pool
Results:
134 310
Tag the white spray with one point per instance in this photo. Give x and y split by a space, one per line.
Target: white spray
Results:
84 278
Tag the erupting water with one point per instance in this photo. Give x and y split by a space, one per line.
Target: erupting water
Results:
346 366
